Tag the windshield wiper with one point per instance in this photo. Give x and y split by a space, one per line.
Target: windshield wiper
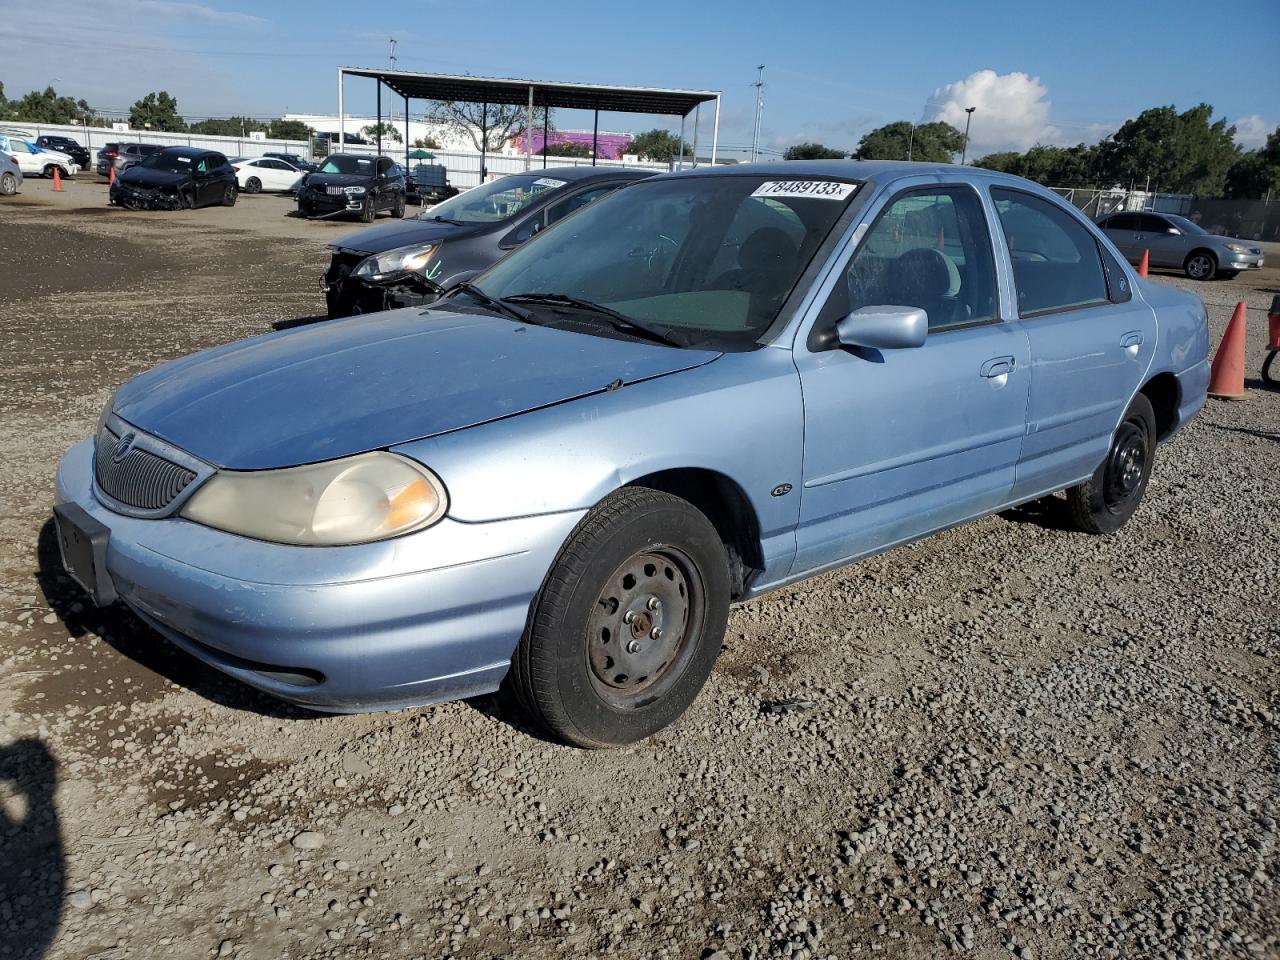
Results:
514 312
440 219
619 321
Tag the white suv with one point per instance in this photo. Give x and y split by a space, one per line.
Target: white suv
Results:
38 162
10 171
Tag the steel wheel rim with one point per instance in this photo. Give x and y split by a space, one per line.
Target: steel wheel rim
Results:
1199 266
642 624
1126 465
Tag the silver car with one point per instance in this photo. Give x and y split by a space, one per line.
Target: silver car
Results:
1180 244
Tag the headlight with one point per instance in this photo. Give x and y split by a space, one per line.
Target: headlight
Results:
355 190
411 259
357 499
1237 248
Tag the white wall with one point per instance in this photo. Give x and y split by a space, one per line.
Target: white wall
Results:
95 137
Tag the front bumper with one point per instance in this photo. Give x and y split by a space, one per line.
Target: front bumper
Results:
420 619
1243 261
135 199
346 295
314 204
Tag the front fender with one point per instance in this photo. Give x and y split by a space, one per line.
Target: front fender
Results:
740 415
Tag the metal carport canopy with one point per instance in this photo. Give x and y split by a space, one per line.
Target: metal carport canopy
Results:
539 93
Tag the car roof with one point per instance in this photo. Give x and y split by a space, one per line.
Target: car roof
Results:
882 171
574 174
187 151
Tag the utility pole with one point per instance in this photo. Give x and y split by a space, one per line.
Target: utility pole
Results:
968 111
392 41
911 140
755 135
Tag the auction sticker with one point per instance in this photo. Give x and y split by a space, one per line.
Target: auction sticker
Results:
819 189
548 182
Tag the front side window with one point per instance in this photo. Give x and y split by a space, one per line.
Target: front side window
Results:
1056 264
665 253
929 249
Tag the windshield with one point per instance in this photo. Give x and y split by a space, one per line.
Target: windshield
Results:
346 163
1187 226
171 162
701 260
490 202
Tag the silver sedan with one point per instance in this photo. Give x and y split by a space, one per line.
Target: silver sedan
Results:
1180 244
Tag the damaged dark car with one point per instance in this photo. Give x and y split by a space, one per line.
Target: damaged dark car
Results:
347 183
176 178
413 262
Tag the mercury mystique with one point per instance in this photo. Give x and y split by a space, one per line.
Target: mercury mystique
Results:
703 387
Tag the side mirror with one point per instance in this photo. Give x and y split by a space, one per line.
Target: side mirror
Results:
1174 231
884 328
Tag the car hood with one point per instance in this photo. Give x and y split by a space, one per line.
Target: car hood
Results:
399 233
337 180
349 386
142 177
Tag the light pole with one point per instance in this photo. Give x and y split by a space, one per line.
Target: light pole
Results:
968 116
755 135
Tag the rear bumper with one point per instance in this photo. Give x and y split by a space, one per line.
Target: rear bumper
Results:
429 617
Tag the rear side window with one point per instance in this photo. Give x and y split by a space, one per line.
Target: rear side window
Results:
1056 261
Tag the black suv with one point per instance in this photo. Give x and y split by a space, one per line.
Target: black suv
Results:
175 177
68 146
350 183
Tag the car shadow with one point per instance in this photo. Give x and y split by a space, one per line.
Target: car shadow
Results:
1049 513
1274 437
503 707
121 629
34 882
293 322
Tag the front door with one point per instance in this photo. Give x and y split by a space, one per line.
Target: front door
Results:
902 442
1091 340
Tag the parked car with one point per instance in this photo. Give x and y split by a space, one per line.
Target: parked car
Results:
256 174
414 261
1180 244
352 183
37 162
122 156
72 148
294 160
705 387
176 177
10 172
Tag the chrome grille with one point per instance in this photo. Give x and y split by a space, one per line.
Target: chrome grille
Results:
139 479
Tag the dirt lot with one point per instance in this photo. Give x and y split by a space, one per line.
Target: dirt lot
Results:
1015 739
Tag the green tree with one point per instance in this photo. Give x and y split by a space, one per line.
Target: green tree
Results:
1257 174
813 151
567 149
935 142
427 143
1185 152
156 111
289 130
227 127
1053 166
500 123
387 129
45 106
657 145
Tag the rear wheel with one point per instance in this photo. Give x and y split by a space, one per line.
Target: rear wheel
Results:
252 185
229 195
8 185
1200 265
628 624
1105 502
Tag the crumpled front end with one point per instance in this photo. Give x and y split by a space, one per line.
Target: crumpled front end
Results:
346 295
147 198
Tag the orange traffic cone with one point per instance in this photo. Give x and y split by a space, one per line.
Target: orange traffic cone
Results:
57 180
1144 263
111 176
1226 376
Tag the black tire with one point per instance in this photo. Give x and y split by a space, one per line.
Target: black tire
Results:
1200 265
229 195
397 209
252 185
368 212
8 185
1106 501
603 599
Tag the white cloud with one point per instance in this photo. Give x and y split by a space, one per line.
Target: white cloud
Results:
1011 111
1252 131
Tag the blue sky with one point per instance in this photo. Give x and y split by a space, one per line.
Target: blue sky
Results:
833 70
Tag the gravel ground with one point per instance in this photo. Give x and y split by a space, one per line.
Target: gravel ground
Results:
1009 739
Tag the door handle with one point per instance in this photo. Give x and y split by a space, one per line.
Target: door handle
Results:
997 367
1131 341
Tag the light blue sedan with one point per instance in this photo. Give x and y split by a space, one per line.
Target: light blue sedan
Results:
702 388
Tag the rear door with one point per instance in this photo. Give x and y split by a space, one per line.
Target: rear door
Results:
1122 230
899 443
1091 340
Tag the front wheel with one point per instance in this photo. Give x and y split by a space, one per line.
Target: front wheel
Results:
397 210
8 185
368 211
1106 501
1201 265
628 624
48 171
229 195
